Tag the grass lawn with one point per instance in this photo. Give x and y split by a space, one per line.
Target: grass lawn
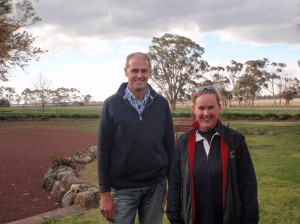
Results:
276 160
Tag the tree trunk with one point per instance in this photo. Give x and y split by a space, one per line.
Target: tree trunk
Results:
173 105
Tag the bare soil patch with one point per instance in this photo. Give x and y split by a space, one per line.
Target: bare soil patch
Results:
25 151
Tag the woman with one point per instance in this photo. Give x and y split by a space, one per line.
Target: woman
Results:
212 179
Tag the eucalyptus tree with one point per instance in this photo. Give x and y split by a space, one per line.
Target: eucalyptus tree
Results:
65 96
222 82
177 66
290 90
7 93
234 69
255 69
87 98
28 96
245 89
289 86
16 44
272 77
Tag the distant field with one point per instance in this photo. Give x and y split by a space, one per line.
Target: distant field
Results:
270 102
262 109
258 103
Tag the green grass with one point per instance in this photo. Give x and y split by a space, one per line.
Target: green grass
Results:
255 110
276 160
21 113
75 112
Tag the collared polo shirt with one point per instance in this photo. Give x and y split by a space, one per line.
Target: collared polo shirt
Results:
138 105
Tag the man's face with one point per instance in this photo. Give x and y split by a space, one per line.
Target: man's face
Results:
138 73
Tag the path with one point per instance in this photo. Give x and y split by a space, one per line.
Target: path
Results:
24 159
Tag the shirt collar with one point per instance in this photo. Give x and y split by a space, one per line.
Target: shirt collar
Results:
199 137
129 95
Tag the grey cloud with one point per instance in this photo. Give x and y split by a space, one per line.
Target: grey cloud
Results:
260 21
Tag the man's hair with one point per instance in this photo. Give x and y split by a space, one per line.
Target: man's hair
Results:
134 54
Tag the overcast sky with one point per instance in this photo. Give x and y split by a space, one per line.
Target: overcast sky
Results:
88 40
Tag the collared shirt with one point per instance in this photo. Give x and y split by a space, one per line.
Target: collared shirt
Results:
138 105
206 144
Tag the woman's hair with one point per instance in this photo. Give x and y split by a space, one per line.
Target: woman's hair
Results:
206 89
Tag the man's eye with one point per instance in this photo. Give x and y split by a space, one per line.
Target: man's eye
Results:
135 71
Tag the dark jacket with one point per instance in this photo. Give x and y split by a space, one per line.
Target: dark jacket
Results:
134 150
240 203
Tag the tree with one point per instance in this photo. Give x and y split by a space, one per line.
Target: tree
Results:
176 65
221 81
234 69
7 93
42 85
16 44
254 68
87 98
271 76
64 96
245 89
28 96
4 103
289 87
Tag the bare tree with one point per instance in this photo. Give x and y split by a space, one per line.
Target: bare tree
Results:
42 85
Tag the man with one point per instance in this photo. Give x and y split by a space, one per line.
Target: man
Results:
135 146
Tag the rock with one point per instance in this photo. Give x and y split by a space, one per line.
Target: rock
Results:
48 183
75 180
87 199
85 159
59 189
68 199
64 175
63 182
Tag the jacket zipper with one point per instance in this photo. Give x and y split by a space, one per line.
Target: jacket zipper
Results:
140 114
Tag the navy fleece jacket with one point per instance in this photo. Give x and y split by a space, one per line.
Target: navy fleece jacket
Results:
134 150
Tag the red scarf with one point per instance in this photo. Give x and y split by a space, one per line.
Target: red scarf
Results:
191 157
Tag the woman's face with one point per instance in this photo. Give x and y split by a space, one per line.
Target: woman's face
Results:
206 110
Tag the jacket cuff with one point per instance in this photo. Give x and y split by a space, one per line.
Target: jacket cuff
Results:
104 188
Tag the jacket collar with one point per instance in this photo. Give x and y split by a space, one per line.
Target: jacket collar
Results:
123 86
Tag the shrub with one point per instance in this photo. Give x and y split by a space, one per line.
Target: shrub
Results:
4 103
285 116
58 159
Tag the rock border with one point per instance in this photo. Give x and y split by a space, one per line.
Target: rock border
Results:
64 184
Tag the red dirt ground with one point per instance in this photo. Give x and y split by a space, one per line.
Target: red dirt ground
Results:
24 159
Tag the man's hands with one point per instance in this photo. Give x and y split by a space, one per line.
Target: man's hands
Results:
107 206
